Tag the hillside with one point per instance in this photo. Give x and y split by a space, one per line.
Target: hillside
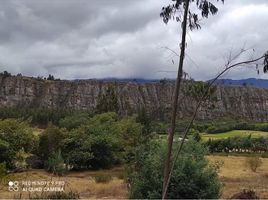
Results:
236 101
253 82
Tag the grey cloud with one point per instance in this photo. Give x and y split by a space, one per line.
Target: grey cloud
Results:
116 38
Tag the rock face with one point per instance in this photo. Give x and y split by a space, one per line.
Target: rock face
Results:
237 102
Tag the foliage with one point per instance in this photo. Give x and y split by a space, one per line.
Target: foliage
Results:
15 136
253 163
103 178
245 194
93 145
74 121
196 89
192 176
237 143
50 141
55 164
107 101
5 74
196 136
37 116
173 11
103 141
3 170
50 77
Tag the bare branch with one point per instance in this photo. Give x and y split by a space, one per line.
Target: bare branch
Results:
204 96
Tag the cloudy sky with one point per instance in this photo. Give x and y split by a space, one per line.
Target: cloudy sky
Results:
124 38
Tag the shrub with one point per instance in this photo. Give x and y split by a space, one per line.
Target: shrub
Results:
74 121
15 136
254 163
245 194
55 164
103 178
50 141
3 170
192 176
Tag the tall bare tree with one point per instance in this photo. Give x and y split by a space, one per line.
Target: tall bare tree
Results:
180 11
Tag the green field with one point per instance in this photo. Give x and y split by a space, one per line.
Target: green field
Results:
240 133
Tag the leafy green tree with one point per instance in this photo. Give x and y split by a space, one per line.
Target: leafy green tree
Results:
181 11
17 134
107 101
7 155
55 163
50 77
50 141
95 144
74 121
193 177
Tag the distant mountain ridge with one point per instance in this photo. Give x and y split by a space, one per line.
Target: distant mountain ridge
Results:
259 83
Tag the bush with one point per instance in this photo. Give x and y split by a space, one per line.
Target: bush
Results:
192 176
3 170
55 164
254 163
50 141
15 136
103 178
74 121
245 194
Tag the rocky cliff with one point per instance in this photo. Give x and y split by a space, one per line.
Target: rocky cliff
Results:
238 102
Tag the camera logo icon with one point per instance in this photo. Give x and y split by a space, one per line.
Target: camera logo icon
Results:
13 186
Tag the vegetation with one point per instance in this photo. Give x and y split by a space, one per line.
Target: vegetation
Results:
238 144
254 163
103 178
235 133
55 164
107 101
15 136
5 74
193 177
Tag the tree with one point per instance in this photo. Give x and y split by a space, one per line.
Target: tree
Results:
107 101
169 12
55 163
50 77
50 141
194 178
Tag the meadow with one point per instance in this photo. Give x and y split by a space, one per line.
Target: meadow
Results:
234 174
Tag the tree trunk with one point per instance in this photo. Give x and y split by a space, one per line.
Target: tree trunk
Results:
175 101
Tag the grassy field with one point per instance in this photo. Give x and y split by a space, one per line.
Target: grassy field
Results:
80 182
241 133
234 174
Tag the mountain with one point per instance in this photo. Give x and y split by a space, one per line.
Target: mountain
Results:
259 83
156 97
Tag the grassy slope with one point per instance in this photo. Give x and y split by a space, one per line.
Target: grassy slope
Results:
241 133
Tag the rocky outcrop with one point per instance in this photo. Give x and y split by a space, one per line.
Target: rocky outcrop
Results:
237 102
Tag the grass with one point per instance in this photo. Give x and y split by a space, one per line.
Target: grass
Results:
240 133
236 175
81 182
37 131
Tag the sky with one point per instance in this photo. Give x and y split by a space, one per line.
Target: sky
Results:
84 39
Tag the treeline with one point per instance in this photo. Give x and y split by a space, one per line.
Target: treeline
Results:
80 142
238 144
237 126
39 116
